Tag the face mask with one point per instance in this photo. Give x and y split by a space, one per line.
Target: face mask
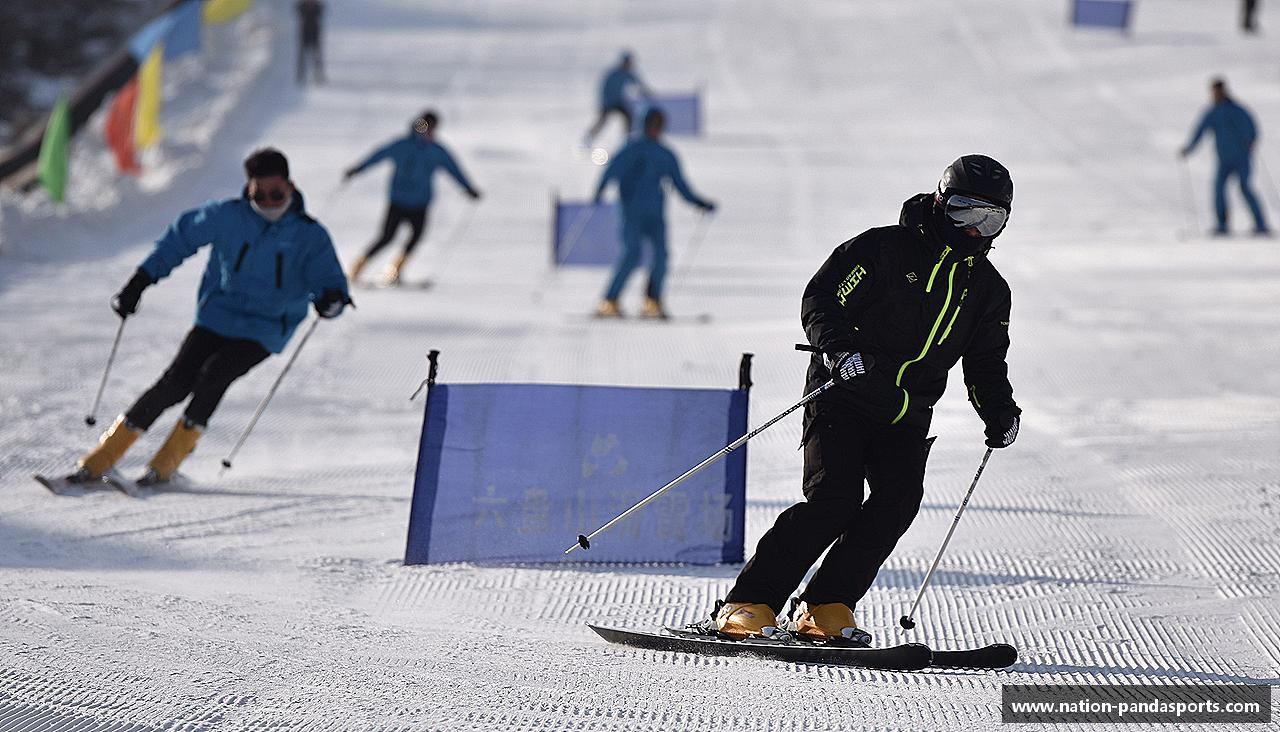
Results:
272 213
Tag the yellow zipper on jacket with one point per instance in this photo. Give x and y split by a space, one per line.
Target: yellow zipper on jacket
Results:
937 323
963 294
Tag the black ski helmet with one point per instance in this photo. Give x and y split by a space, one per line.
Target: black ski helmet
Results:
978 175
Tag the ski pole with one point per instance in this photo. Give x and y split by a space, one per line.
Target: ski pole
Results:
906 620
699 234
262 406
92 417
579 225
585 541
1193 211
451 245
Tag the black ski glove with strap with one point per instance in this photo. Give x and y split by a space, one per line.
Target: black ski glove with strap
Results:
125 302
1002 428
331 303
846 367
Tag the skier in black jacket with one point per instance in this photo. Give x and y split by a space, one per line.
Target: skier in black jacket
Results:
889 313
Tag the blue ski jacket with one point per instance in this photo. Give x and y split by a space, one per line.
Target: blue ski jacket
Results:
1233 131
416 161
613 89
260 277
640 168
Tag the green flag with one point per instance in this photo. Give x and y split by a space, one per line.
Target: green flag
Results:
52 167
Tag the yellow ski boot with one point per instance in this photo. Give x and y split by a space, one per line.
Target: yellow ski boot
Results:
608 309
112 446
356 268
740 620
653 309
171 454
392 276
828 621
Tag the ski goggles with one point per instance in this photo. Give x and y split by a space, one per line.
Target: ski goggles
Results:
966 212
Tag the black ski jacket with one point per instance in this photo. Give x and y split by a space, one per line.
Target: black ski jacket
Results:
904 296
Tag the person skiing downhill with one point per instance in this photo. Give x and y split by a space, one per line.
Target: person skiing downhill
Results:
640 169
310 53
1234 135
416 157
268 261
887 315
614 88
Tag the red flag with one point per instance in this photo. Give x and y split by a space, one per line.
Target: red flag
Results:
119 127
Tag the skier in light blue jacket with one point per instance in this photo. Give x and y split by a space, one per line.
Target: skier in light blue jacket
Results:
416 157
640 169
1234 134
268 262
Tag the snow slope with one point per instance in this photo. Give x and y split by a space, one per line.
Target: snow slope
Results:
1129 536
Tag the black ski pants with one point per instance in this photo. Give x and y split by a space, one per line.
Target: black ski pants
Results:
840 450
204 368
397 215
310 54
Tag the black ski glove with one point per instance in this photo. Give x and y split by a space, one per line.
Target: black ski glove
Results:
1002 429
846 367
331 303
473 194
125 302
707 206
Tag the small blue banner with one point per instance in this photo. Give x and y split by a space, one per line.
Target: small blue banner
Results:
683 110
515 472
586 234
183 36
1102 13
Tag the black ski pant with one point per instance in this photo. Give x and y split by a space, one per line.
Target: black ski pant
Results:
397 215
204 368
309 54
840 450
1250 10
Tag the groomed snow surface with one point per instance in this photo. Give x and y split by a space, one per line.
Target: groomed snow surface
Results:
1130 536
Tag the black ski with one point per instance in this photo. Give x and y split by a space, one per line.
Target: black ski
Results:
907 657
996 655
65 487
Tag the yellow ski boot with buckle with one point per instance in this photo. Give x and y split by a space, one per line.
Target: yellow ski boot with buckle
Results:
171 454
828 621
112 446
740 620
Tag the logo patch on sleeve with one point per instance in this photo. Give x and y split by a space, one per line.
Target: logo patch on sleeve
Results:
850 282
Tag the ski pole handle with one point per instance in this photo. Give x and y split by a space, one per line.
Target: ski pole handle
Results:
262 405
906 621
92 417
584 541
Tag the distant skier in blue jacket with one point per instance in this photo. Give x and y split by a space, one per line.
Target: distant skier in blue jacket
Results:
269 260
614 89
1235 134
416 156
640 169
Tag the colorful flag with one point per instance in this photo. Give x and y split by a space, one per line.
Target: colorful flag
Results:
183 36
220 11
119 127
141 43
52 165
150 88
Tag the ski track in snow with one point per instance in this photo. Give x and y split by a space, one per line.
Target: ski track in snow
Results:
1130 536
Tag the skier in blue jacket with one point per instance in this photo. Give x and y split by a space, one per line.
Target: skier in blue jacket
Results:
640 169
614 88
269 260
1235 134
416 157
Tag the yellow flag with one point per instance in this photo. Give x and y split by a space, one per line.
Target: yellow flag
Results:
150 87
220 11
